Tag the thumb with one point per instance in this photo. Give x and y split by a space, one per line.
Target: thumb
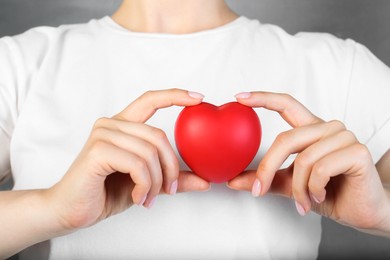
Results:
281 184
144 107
188 181
244 181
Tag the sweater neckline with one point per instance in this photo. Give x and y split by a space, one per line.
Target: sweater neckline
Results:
108 22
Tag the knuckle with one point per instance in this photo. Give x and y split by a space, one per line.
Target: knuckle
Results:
319 169
289 100
361 151
141 170
101 122
149 97
151 153
95 150
336 124
287 97
319 175
303 160
159 135
262 168
347 134
283 138
142 166
99 131
98 134
172 164
175 90
148 94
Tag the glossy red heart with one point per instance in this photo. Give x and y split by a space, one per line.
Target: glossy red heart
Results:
218 143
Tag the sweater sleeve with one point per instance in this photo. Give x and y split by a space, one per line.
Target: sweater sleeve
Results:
20 58
9 80
368 104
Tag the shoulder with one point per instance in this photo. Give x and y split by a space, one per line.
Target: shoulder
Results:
40 32
33 44
307 45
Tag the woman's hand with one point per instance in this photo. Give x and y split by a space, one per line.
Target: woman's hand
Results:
333 174
124 162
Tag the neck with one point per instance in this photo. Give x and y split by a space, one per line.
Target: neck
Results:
173 16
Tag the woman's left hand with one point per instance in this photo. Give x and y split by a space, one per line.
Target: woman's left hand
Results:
333 173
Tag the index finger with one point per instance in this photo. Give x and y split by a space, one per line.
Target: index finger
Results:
144 107
289 108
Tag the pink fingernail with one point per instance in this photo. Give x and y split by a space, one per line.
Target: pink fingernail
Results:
243 95
300 209
195 95
173 188
315 199
151 203
142 201
256 188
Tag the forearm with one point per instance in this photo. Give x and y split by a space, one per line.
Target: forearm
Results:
25 219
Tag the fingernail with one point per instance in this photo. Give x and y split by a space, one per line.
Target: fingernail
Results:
151 203
208 187
204 188
142 201
300 209
315 199
173 188
256 188
243 95
195 95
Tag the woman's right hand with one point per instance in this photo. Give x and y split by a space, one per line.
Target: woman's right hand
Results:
124 162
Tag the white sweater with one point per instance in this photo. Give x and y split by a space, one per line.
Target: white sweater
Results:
55 82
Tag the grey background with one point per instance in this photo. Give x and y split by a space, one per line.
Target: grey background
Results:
366 21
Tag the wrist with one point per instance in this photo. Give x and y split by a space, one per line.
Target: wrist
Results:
387 221
383 226
27 218
43 221
53 226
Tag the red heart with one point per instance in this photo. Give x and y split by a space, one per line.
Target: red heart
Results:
218 143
